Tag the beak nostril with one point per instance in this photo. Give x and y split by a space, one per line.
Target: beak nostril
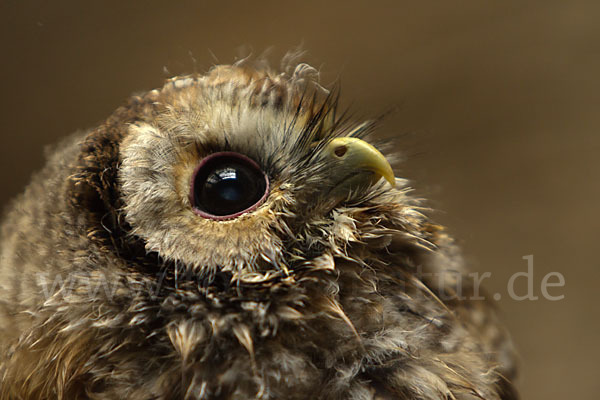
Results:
340 150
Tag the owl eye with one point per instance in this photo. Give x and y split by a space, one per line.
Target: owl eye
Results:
226 185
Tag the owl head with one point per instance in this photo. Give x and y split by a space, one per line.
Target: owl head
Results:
296 265
242 170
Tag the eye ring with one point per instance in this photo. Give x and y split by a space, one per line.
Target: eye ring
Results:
236 165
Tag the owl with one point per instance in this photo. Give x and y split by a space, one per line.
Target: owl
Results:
232 236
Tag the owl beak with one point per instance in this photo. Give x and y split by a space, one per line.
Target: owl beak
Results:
358 163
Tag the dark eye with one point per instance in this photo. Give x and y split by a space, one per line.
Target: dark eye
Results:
226 185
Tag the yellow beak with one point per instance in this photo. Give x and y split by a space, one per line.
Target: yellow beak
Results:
357 155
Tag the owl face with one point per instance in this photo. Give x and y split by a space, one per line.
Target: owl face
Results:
242 170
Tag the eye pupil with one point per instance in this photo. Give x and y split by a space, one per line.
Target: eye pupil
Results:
226 185
230 191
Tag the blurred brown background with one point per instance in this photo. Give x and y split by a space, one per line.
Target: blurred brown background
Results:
498 119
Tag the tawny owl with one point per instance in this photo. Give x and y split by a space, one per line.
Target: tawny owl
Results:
228 236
